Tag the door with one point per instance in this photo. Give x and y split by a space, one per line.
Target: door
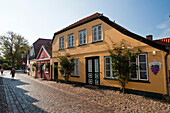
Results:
56 71
92 71
42 70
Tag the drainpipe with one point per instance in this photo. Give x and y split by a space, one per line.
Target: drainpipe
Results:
167 72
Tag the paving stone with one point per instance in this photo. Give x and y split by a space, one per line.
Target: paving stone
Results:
26 94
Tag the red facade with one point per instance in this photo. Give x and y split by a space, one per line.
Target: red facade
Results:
43 61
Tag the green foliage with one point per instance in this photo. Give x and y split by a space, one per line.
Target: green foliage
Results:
66 66
13 46
6 66
47 65
121 56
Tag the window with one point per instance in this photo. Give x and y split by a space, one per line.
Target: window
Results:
97 33
32 51
61 43
76 68
38 67
71 40
82 37
46 69
109 72
142 72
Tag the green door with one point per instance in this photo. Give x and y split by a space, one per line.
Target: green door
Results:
42 70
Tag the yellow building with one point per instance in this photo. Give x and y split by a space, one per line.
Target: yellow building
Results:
88 40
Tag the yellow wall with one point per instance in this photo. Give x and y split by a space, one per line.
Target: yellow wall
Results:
157 82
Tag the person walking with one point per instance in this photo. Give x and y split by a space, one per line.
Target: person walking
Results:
2 70
13 73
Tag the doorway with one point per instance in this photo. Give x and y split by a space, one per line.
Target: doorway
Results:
56 71
92 71
42 70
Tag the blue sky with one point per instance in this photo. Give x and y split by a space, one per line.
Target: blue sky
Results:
35 19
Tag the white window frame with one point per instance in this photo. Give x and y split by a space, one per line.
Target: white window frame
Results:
138 70
71 40
146 67
97 33
83 38
76 68
111 71
61 43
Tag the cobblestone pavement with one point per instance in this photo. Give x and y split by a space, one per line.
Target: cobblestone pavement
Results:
27 94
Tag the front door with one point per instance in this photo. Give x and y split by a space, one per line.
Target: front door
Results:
92 71
56 71
42 70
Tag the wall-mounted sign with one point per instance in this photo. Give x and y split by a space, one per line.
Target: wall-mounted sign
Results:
155 66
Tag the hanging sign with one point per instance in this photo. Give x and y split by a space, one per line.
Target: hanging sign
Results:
155 66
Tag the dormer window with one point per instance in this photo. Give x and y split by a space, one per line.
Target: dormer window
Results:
97 33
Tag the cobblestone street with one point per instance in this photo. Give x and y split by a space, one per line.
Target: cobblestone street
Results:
26 94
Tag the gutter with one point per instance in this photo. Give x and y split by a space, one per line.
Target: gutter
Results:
167 72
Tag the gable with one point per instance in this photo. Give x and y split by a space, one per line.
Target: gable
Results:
43 54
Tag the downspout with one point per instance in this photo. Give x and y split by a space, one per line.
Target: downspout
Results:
167 72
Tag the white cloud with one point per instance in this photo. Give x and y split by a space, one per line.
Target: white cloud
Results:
164 25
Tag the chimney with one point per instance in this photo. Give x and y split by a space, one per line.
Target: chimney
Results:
149 37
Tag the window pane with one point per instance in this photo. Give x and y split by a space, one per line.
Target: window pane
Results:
142 66
107 66
84 37
133 74
69 41
107 73
107 59
62 42
142 58
143 75
99 33
72 40
89 65
80 37
94 34
96 65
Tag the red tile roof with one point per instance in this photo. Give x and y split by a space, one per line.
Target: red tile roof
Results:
114 25
164 41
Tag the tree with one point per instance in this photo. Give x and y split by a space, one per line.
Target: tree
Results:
66 66
13 46
121 56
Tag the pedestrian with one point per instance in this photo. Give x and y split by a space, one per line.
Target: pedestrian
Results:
13 73
2 70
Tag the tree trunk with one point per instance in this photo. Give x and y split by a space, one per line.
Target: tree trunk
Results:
13 63
123 90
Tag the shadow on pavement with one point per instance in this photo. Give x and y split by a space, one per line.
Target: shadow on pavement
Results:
14 99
